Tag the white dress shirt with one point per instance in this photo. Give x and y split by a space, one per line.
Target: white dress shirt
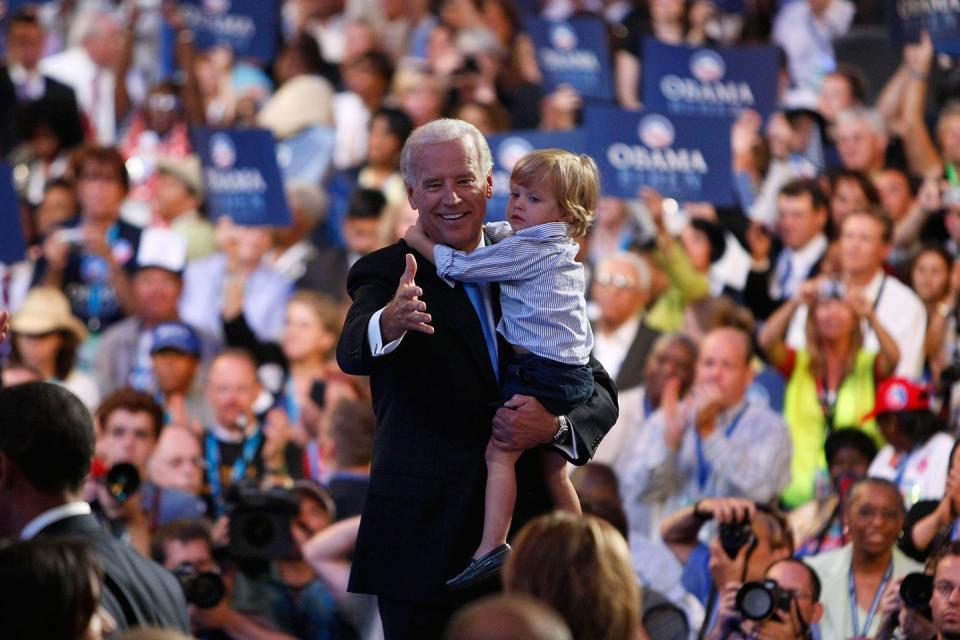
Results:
800 263
50 516
902 315
95 88
610 347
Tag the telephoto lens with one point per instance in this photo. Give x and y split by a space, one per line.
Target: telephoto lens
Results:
759 600
734 536
122 481
204 589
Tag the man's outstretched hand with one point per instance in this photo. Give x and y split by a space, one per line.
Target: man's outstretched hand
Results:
406 312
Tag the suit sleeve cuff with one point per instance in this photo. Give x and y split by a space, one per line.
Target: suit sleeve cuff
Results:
569 450
377 348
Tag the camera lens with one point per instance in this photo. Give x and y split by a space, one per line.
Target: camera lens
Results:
755 601
122 481
916 591
205 590
259 530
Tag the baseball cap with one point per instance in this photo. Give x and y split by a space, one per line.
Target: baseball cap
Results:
899 394
176 336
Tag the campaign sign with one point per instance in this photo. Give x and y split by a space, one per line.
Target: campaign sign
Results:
573 52
908 18
12 245
509 147
249 27
684 157
721 81
241 175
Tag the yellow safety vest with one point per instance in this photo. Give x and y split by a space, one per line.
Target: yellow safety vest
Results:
804 416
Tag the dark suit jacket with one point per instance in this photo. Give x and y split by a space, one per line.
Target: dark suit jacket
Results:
55 93
434 398
756 292
136 591
326 273
631 371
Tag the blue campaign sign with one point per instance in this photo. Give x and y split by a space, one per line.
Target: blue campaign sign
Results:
573 52
12 244
249 27
509 147
720 81
941 18
684 157
241 175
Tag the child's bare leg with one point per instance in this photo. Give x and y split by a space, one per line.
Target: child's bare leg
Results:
555 474
500 497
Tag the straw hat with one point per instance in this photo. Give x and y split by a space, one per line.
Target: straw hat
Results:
45 310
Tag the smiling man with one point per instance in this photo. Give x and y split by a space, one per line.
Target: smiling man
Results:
434 380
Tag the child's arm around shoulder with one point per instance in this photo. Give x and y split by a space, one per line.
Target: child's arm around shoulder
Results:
417 238
497 231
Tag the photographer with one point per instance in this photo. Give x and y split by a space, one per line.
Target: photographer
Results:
128 425
748 539
185 548
793 607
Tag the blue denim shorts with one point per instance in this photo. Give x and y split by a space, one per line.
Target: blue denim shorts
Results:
559 387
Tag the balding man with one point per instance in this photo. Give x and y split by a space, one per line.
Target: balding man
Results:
862 139
90 70
239 444
622 341
713 442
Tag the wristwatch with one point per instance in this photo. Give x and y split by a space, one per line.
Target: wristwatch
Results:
562 436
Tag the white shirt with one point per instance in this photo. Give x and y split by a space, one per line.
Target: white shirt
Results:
808 39
615 448
610 348
94 86
801 261
902 315
50 516
924 470
32 82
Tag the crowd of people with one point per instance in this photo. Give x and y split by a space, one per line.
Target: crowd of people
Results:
635 417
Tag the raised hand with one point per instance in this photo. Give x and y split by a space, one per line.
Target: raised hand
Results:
406 312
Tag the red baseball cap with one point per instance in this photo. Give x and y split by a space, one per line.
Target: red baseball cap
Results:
899 394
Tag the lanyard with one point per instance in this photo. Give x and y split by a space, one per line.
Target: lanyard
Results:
647 406
901 469
704 468
212 452
826 405
873 607
94 303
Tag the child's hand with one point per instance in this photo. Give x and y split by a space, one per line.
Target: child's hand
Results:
417 238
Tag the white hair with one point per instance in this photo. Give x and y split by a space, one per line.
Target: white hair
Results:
639 265
871 117
443 130
307 197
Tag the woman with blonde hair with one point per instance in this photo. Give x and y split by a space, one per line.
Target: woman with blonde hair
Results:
832 382
579 566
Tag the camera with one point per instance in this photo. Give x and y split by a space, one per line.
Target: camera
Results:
260 522
734 536
122 480
951 196
204 589
832 289
916 589
759 600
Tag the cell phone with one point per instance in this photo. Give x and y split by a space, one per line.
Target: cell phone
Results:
73 235
318 392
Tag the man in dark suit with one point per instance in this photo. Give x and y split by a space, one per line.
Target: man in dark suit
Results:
46 445
21 84
622 340
775 277
435 394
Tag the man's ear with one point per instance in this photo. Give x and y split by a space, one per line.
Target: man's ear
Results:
817 613
489 184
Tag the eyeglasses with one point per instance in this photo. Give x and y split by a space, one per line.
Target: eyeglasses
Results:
945 589
617 280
